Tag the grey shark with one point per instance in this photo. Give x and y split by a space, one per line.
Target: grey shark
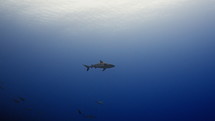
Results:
101 64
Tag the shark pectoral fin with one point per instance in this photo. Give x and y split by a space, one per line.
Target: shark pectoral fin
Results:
103 69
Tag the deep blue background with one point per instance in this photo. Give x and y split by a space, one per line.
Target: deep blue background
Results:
165 72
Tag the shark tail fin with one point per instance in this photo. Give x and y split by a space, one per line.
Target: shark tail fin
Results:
88 67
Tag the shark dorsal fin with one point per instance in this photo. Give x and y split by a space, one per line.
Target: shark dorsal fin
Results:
101 61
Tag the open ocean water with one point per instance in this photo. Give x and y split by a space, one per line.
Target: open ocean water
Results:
163 52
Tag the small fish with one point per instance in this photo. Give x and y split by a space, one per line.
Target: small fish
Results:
22 99
19 99
90 116
80 112
99 102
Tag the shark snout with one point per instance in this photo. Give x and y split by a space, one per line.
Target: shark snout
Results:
112 65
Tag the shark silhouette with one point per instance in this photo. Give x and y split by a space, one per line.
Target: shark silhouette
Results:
101 64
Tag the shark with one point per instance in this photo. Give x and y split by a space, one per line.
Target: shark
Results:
101 64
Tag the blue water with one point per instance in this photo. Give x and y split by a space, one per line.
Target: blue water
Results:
165 71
